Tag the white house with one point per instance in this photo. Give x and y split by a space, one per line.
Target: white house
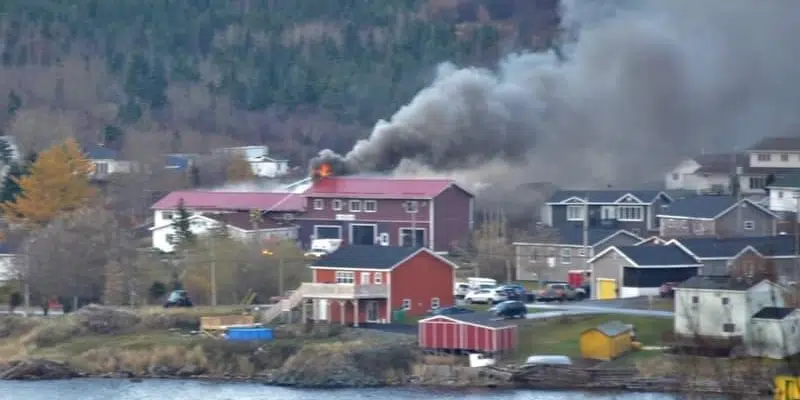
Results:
261 163
237 226
107 161
705 173
720 307
7 258
784 193
774 333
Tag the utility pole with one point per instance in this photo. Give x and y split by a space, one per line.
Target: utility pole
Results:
414 224
585 228
735 185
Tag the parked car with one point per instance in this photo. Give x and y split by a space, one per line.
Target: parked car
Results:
451 311
510 309
559 292
178 298
667 289
515 292
461 289
488 296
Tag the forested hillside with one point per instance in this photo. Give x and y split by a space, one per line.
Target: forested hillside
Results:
184 75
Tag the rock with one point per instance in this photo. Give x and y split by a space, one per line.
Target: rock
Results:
190 370
161 370
32 369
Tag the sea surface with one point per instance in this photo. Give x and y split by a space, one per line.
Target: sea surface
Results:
106 389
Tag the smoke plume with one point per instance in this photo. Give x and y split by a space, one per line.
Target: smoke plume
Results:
644 84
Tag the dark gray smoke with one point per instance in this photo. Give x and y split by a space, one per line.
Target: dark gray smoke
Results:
645 83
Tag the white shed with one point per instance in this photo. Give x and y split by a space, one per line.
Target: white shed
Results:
774 333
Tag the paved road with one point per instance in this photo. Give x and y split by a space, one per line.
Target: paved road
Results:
594 307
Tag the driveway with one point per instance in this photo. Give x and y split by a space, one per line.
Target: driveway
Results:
594 307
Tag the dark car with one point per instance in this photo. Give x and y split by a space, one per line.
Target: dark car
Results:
514 291
559 292
510 309
178 298
451 311
667 289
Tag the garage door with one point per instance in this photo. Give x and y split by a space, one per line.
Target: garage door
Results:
328 232
606 289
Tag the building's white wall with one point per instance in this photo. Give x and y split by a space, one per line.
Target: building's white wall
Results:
7 267
776 339
163 217
775 160
708 316
114 166
201 226
269 169
763 295
626 292
783 200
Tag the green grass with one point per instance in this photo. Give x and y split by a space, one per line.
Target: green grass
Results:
560 336
79 345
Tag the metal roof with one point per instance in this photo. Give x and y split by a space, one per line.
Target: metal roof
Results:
606 196
611 328
379 187
777 144
706 207
574 235
710 247
481 318
101 153
717 283
244 201
371 257
655 255
720 163
774 312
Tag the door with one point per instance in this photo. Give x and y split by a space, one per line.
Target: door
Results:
322 310
372 311
365 278
606 289
362 234
412 237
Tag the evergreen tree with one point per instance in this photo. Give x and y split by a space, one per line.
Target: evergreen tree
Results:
6 152
14 103
183 226
11 187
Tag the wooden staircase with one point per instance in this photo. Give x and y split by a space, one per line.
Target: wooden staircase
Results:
284 306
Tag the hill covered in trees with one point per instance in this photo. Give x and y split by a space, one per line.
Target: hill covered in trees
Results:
189 74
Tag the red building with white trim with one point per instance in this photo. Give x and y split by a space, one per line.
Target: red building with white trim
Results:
434 213
477 332
358 284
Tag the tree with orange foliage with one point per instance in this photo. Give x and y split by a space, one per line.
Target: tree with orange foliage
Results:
239 169
58 182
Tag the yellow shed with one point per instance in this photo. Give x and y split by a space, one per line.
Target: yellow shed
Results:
607 341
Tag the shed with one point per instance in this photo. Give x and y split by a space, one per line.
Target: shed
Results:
478 332
607 341
774 333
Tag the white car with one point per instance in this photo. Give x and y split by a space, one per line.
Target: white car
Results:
488 296
461 289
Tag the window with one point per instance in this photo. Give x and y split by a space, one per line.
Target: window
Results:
764 157
728 328
575 213
365 278
407 304
785 157
411 206
780 194
726 301
434 303
413 237
336 205
630 213
378 278
757 182
355 205
167 215
609 212
749 225
319 204
370 206
695 300
344 277
676 177
566 256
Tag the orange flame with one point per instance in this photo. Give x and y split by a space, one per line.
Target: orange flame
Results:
325 170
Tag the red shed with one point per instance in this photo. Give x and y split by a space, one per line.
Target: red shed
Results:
477 332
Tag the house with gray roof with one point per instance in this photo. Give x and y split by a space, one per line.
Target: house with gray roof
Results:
632 271
632 210
552 259
767 159
716 216
773 255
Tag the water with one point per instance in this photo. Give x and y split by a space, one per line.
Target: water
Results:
97 389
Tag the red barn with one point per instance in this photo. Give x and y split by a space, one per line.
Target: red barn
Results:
477 332
357 284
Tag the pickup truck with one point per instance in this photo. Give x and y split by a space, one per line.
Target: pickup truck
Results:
559 292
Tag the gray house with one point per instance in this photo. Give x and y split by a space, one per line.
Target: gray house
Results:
719 255
632 271
632 210
552 261
717 216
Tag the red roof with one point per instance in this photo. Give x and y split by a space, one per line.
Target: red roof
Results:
379 187
208 200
